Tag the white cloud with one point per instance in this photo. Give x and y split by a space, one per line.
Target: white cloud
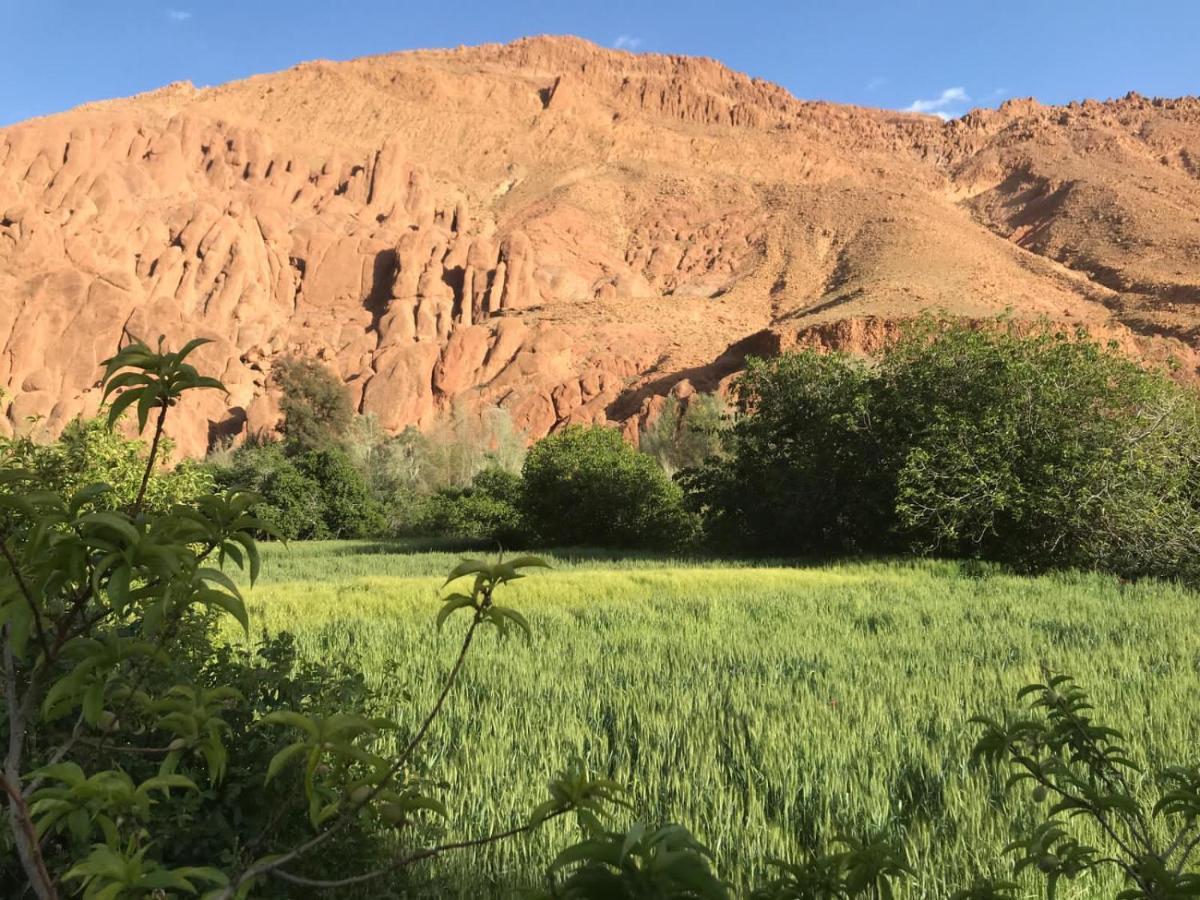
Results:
944 105
875 83
627 42
178 15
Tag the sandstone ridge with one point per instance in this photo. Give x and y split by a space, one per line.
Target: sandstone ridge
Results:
564 231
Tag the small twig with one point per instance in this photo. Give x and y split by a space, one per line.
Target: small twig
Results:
28 594
409 859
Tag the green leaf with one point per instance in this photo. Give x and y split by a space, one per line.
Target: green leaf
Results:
514 616
452 604
281 759
467 567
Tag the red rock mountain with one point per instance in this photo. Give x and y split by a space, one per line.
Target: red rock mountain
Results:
564 231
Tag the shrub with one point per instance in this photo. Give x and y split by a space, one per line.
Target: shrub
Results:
686 434
586 486
315 404
1034 450
88 452
313 495
489 509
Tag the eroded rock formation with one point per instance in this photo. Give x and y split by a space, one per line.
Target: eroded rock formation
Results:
563 231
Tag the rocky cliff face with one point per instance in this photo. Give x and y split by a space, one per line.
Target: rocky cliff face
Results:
563 231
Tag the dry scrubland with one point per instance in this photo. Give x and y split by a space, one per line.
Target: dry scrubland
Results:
761 704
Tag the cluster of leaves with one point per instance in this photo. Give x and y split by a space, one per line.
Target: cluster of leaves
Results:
89 452
1038 450
1080 773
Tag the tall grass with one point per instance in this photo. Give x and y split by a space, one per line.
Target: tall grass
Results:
767 707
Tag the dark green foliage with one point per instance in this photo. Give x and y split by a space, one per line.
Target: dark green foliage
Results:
586 486
313 495
1034 450
348 509
316 406
802 475
489 509
203 828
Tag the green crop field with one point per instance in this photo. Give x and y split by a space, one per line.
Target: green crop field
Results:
764 705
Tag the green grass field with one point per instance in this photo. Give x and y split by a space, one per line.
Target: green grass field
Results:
765 706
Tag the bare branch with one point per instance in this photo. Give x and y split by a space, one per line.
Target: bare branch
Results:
408 859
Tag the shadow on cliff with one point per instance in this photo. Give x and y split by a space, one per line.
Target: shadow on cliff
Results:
704 378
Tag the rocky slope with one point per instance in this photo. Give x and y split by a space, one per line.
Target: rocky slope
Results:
564 231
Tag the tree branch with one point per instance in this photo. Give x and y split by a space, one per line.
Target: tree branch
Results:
24 834
416 856
28 594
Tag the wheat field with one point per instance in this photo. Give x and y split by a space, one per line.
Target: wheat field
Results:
767 706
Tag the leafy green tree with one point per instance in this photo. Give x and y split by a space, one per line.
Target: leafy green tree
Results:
316 406
347 508
685 435
1036 450
587 486
802 473
88 452
1039 450
311 495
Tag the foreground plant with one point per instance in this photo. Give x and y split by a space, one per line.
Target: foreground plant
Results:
1081 772
96 597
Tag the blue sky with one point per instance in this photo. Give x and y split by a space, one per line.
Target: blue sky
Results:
942 57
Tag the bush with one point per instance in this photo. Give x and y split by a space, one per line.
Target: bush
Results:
1032 450
348 510
490 509
314 495
586 486
315 404
88 452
